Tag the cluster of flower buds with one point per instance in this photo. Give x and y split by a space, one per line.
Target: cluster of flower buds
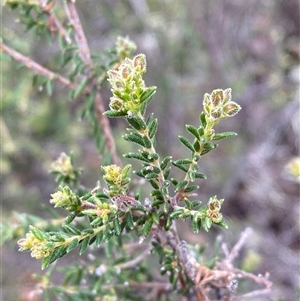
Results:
214 207
116 179
36 243
124 47
218 105
101 209
128 87
65 198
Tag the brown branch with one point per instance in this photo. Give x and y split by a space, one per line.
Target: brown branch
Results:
85 55
54 23
35 66
80 38
135 261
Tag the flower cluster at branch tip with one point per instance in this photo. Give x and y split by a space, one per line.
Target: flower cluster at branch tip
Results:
116 179
125 47
63 165
65 198
128 87
214 207
35 243
218 105
112 174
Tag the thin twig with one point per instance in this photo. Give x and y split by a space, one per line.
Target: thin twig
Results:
35 66
53 21
85 55
80 38
237 247
135 261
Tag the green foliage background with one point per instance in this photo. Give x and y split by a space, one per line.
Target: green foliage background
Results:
192 47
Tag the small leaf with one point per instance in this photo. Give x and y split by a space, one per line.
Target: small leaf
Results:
37 233
167 172
183 161
180 185
165 162
136 138
117 226
207 223
129 221
73 244
81 87
176 213
153 128
182 167
72 230
114 114
83 245
58 252
146 228
147 95
99 238
136 122
195 224
193 131
151 176
199 175
191 188
136 156
186 143
196 145
223 224
203 119
147 142
49 87
224 135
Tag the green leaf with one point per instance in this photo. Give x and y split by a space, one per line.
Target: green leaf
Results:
176 213
182 167
69 219
196 145
150 119
180 185
147 142
58 252
223 135
73 244
193 131
72 230
199 175
195 203
203 120
136 138
165 162
191 188
81 87
129 221
49 87
146 228
207 223
114 114
117 226
37 233
196 224
186 143
83 245
136 156
209 146
99 238
151 176
136 122
183 161
147 95
188 204
223 224
167 172
125 171
153 128
154 184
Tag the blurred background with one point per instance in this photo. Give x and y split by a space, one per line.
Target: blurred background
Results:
192 47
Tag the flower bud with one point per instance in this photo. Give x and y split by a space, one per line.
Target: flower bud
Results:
231 109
